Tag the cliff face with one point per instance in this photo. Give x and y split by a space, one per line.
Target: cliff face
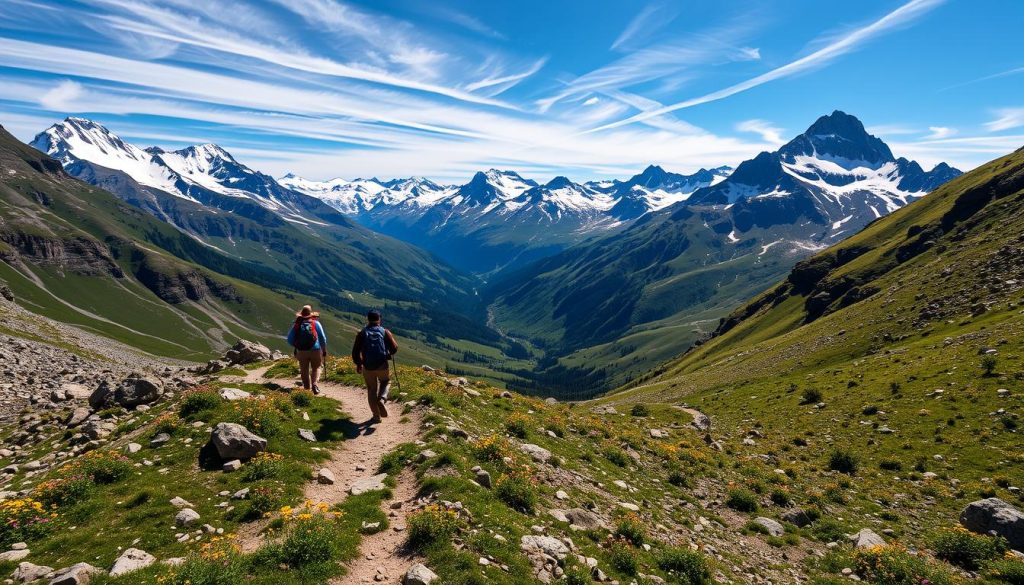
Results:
80 255
176 286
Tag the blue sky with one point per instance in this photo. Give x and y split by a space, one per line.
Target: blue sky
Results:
589 89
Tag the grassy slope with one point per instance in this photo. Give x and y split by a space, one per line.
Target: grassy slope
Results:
923 330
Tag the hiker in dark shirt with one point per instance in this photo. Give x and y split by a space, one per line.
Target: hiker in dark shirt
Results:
371 351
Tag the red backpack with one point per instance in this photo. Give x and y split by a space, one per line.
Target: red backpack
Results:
305 333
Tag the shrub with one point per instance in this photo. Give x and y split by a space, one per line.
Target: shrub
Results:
312 536
433 524
218 563
843 461
102 466
640 410
518 490
490 448
168 423
199 400
811 396
23 519
264 465
685 566
1008 570
576 574
894 565
780 497
259 416
631 528
623 557
302 398
263 500
741 500
616 456
64 491
988 364
869 410
518 425
890 465
965 549
678 479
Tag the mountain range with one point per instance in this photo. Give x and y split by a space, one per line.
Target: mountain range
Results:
500 220
639 296
621 273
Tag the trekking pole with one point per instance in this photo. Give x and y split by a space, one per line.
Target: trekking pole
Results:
398 383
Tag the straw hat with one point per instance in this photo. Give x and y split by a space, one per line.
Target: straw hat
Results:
307 311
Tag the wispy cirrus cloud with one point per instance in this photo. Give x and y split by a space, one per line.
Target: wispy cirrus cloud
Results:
1007 118
768 132
648 21
675 58
940 132
902 16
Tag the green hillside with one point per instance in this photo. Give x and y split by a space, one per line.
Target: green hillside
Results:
83 256
899 349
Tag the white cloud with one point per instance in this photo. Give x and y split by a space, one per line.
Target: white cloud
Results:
849 42
1008 118
591 101
883 130
507 81
770 134
650 19
939 132
62 96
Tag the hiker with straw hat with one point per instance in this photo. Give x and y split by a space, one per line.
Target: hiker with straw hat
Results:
310 346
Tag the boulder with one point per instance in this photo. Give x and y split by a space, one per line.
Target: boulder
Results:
368 484
307 435
27 572
536 452
773 527
584 519
658 434
76 391
548 545
134 390
78 416
78 574
995 516
325 476
233 465
130 560
232 394
419 574
797 517
247 352
233 441
483 478
98 429
867 538
14 555
186 517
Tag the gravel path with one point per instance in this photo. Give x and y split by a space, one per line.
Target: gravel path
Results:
382 558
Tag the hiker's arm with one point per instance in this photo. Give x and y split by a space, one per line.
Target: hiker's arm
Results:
322 337
357 351
390 341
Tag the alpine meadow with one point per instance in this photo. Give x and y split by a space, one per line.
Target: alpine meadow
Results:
456 293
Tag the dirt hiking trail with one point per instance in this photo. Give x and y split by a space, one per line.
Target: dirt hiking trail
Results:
382 558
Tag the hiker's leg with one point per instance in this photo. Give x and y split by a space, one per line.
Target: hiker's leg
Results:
382 391
316 360
371 391
304 368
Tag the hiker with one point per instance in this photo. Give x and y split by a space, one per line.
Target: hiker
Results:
371 351
310 346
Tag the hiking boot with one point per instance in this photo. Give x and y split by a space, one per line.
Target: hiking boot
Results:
383 411
316 389
375 420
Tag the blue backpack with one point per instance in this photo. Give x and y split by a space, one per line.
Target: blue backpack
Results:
375 348
305 334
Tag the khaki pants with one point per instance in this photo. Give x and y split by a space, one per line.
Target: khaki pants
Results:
377 381
309 366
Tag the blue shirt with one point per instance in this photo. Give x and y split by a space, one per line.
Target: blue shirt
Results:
321 338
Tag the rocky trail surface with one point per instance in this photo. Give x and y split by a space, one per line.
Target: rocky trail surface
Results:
352 469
